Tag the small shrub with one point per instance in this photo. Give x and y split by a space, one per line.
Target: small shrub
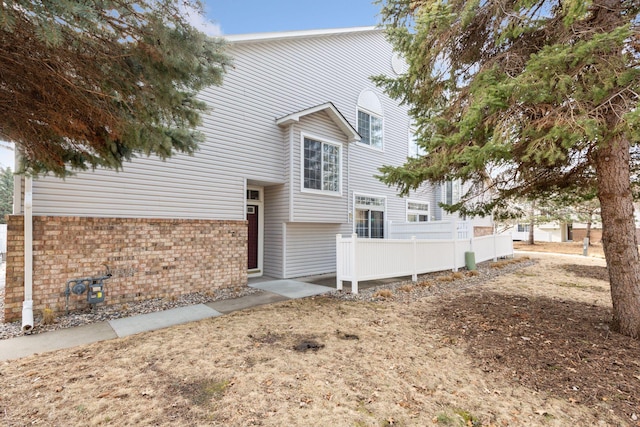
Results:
426 283
444 278
457 275
472 273
48 316
444 419
383 293
406 288
467 418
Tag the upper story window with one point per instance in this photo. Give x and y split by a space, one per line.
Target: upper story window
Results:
414 149
370 129
452 192
370 120
321 166
417 211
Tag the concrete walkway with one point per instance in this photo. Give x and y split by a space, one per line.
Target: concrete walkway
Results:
271 291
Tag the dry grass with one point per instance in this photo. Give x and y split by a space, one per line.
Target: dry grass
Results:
383 293
574 248
457 358
48 316
457 275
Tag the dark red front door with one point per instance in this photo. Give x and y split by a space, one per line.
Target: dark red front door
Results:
252 218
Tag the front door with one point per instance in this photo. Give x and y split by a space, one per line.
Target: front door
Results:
253 239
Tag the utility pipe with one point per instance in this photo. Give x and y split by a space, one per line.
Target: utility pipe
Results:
27 305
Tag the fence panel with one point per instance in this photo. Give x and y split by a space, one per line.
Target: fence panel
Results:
431 230
381 258
369 259
491 247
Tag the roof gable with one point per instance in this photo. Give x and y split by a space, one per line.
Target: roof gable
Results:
329 108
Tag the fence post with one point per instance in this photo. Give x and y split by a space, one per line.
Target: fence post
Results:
454 233
354 264
339 262
414 275
495 247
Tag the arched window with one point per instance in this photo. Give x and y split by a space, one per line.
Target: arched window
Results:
370 125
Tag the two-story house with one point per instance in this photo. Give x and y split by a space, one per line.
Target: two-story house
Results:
294 139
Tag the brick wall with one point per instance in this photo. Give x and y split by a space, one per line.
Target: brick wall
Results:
479 231
148 258
580 233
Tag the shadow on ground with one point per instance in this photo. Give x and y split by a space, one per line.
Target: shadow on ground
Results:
564 348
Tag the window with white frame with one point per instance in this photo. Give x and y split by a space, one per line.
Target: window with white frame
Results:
370 129
452 192
415 150
321 166
523 228
369 220
417 211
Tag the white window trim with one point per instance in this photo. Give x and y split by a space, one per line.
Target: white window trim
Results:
369 112
407 210
420 151
454 200
384 210
322 140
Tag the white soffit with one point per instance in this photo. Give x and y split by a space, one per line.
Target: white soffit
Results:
254 37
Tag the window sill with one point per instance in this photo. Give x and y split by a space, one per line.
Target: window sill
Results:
321 192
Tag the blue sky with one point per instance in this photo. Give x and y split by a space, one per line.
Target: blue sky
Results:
256 16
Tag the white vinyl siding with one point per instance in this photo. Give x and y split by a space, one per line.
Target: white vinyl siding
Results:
275 215
311 248
181 187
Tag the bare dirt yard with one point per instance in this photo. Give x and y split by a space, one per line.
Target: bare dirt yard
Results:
530 347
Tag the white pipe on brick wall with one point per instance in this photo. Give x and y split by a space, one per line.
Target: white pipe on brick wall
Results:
27 305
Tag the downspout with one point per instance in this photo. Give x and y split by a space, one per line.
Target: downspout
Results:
291 171
27 305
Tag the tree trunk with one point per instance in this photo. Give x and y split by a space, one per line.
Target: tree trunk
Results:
619 234
532 222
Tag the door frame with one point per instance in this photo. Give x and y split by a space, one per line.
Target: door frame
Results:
257 272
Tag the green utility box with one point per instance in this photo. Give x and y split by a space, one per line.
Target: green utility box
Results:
470 260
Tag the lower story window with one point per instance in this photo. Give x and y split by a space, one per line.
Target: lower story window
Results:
417 211
369 219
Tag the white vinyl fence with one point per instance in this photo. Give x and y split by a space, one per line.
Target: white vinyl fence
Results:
429 230
369 259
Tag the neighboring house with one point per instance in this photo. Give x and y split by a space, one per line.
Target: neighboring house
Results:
296 134
546 232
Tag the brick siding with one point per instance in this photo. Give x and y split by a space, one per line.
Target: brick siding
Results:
149 258
479 231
